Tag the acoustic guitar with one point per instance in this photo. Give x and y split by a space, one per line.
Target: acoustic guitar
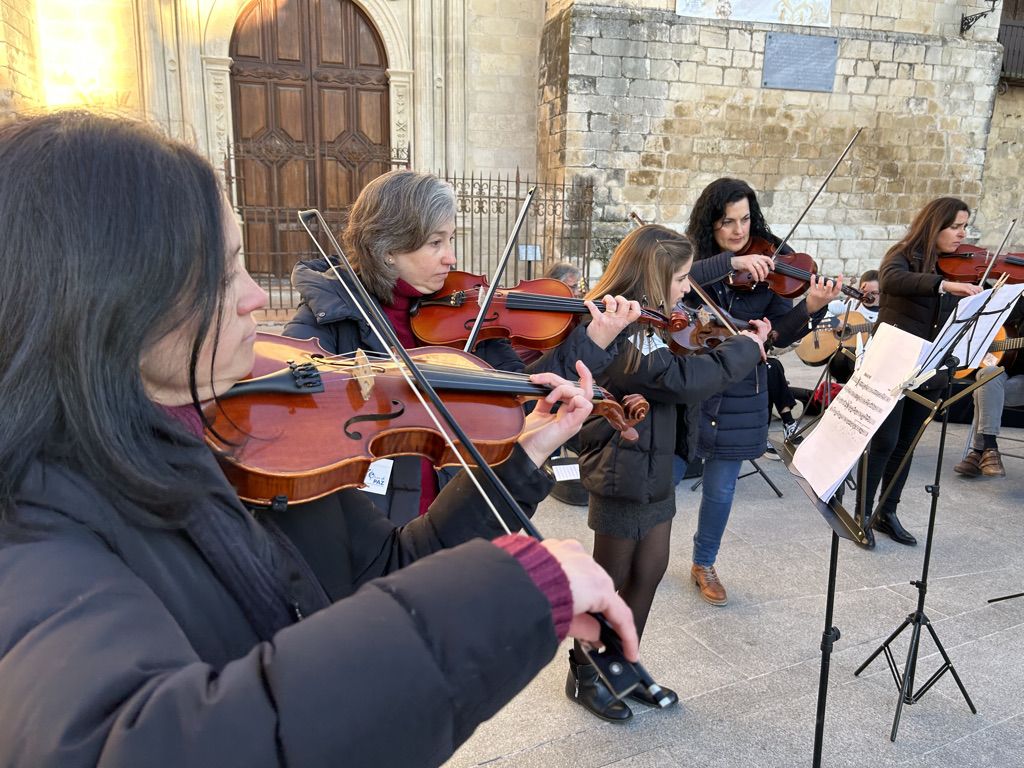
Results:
821 343
1003 351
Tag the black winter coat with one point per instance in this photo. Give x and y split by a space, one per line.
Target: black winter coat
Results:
121 645
326 314
734 423
641 471
910 298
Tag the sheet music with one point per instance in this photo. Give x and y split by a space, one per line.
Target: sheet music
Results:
992 308
826 456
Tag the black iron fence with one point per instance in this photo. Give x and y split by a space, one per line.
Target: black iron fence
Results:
557 226
1011 35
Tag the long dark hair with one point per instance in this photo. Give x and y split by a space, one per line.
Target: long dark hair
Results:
918 246
710 207
111 235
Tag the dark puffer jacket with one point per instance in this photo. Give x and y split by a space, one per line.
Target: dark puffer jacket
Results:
734 423
910 298
123 645
327 314
641 471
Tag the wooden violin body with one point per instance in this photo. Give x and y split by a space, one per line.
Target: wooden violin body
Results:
309 441
822 342
536 314
969 262
790 277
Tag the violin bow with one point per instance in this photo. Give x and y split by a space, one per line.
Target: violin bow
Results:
999 250
621 675
820 189
499 272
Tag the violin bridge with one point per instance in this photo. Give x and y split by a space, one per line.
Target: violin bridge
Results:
362 372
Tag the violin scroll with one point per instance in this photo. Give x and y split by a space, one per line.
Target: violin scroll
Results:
623 416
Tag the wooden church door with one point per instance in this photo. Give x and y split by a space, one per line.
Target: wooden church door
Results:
309 93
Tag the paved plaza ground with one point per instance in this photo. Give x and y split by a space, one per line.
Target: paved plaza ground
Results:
747 674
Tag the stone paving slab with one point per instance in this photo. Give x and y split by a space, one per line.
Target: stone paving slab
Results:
747 673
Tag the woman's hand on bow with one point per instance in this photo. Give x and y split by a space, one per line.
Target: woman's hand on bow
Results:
593 592
960 289
618 313
545 432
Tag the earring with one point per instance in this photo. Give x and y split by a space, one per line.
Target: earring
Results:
391 261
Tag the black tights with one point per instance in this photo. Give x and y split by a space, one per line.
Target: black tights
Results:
888 447
636 568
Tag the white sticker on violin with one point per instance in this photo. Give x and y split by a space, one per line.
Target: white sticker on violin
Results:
378 475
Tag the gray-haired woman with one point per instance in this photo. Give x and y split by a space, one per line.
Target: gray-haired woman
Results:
400 237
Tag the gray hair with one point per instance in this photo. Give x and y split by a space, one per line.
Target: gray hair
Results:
395 213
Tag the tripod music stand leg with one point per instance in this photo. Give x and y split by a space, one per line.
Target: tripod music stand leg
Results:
767 479
828 638
948 665
907 683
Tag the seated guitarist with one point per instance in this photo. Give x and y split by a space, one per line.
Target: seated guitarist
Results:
983 460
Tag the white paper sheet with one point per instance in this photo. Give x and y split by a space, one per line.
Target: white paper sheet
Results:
828 453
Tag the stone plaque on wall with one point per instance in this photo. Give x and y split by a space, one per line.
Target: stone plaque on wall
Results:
799 62
817 13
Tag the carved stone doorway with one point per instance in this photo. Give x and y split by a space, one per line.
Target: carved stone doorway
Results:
311 124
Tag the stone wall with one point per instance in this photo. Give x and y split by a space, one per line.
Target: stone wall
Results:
653 106
502 39
1003 180
19 82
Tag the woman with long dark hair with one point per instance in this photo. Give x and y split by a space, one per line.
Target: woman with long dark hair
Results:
146 614
632 498
734 423
916 298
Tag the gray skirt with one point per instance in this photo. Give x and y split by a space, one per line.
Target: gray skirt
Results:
628 519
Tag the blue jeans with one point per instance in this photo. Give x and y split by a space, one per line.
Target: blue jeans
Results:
715 504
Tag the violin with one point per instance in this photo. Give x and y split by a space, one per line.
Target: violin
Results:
969 262
306 423
790 275
536 314
694 331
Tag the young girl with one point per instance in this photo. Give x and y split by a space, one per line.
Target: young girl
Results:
632 498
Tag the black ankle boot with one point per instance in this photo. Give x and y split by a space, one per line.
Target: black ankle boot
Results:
585 688
641 695
889 524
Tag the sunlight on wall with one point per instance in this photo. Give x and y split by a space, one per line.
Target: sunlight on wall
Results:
87 53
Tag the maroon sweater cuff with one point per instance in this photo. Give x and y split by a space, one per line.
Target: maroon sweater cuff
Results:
547 574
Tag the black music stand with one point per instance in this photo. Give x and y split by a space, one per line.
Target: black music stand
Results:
917 619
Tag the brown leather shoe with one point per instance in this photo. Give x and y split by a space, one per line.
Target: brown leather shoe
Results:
711 588
991 463
971 465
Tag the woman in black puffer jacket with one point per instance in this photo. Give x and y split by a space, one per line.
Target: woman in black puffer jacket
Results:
734 424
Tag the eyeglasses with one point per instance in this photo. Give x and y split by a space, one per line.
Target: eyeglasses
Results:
870 296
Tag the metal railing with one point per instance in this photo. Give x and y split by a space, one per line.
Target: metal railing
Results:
557 227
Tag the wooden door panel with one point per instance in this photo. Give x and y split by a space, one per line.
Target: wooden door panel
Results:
310 98
372 109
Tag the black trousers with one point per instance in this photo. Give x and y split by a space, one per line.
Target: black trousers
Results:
779 394
889 445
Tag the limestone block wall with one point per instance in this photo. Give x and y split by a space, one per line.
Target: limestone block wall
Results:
502 40
653 106
1003 180
19 82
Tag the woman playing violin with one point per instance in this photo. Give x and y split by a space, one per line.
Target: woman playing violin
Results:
734 424
632 498
916 298
400 236
147 615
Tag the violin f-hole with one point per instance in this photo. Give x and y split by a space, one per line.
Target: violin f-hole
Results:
399 410
469 323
